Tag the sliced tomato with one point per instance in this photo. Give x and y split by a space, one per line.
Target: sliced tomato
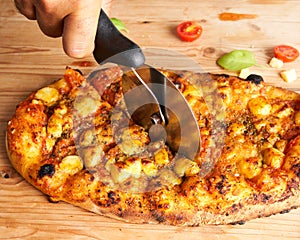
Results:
189 31
286 53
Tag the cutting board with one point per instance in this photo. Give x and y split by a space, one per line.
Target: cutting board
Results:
30 60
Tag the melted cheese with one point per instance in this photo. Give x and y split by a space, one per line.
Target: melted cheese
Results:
48 95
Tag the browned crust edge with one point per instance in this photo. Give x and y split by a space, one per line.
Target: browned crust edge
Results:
246 213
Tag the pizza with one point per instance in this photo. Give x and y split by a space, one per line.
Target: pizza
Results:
75 141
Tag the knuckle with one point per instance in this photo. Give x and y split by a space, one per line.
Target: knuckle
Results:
26 10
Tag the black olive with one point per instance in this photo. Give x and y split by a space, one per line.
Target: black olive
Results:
47 169
257 79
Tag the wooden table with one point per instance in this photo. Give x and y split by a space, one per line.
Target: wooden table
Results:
30 60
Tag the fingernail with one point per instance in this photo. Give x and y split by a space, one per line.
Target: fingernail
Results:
79 50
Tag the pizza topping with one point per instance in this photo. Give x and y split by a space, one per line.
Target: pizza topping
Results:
259 107
87 138
70 165
189 31
74 78
46 170
184 166
254 78
48 95
273 157
250 167
149 167
168 178
297 117
286 53
120 171
236 128
281 145
161 157
86 106
87 102
285 112
132 140
226 94
55 125
265 179
92 155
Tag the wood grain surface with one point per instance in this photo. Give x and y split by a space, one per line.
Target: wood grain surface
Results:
30 60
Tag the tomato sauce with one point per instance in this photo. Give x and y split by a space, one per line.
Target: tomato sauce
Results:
227 16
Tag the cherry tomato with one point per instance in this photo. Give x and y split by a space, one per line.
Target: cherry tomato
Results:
189 31
286 53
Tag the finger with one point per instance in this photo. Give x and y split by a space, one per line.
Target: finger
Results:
26 8
51 25
80 30
50 15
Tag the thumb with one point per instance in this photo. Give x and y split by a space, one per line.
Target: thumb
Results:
79 31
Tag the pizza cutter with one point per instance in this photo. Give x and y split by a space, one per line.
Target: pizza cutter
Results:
151 98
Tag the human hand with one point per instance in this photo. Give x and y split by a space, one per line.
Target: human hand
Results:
75 20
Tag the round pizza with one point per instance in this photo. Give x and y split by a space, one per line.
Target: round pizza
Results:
75 141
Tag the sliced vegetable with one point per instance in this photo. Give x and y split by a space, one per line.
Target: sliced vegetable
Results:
189 31
237 60
286 53
119 24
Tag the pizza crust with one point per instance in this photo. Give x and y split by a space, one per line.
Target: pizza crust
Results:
198 218
224 196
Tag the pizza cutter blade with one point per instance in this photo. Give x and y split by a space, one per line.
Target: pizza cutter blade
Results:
151 98
155 103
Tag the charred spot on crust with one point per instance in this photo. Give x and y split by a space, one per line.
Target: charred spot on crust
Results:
52 200
159 217
254 78
163 206
220 186
113 198
179 217
179 84
265 197
111 194
296 169
46 170
285 211
255 196
238 223
224 75
77 70
235 207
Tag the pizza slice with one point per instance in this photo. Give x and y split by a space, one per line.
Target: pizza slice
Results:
75 141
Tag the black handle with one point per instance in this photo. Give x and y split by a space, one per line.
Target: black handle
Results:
112 46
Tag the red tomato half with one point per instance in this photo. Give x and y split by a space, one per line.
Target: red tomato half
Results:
189 31
286 53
